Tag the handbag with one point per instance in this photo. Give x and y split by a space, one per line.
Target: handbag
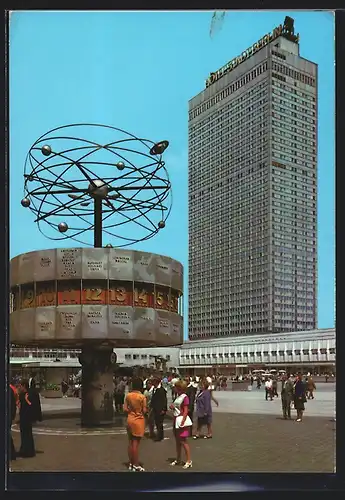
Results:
187 422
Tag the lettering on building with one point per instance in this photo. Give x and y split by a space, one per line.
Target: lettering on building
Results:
94 317
95 266
45 326
68 320
281 30
45 261
69 261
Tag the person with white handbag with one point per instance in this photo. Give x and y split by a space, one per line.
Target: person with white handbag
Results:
182 423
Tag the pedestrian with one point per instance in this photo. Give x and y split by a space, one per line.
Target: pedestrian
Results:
165 382
77 388
64 388
26 419
119 394
224 383
32 381
191 393
299 397
210 388
251 380
204 410
310 388
136 409
268 389
173 381
258 383
36 408
145 382
129 384
286 396
159 406
12 415
180 408
149 416
274 387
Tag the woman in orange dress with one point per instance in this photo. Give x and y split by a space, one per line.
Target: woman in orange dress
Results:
135 407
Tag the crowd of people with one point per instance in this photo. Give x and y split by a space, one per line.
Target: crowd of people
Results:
146 405
145 402
294 392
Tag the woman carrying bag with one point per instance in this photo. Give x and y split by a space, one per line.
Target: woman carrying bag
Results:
204 410
182 423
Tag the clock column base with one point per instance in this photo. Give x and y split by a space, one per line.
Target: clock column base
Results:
97 386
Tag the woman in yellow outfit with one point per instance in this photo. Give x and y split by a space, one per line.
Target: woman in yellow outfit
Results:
136 409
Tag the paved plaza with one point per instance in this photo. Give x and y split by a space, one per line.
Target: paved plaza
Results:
254 402
243 402
249 435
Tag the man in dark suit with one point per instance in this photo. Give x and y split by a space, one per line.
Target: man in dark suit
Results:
36 404
159 406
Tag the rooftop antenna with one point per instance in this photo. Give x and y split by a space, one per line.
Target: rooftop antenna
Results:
217 22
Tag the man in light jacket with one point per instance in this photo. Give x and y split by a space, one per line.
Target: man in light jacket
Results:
268 389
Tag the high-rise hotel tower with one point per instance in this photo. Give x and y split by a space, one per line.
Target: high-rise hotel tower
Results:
252 193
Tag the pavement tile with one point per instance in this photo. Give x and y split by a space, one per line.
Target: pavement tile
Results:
241 443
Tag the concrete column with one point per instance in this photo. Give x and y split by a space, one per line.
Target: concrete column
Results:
97 386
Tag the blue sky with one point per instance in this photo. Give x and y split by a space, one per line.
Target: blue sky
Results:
137 71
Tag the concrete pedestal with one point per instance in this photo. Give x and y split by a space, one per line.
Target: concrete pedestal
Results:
97 386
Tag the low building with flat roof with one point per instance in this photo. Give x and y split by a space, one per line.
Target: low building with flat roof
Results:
312 351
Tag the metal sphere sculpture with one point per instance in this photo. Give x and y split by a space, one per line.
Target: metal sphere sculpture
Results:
81 176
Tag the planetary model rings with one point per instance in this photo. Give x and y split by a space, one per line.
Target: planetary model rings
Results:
74 170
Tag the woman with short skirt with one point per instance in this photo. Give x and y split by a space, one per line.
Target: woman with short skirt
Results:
135 407
180 408
204 410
